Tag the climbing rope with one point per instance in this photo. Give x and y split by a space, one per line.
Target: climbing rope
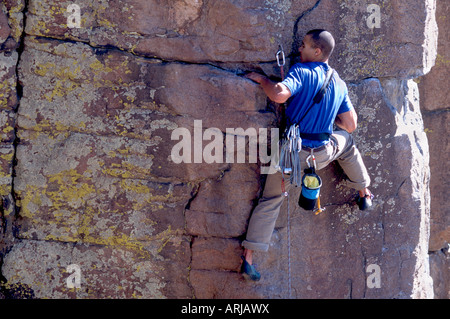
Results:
286 164
289 250
290 149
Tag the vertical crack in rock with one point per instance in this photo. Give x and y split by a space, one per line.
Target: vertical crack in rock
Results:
194 194
7 220
19 91
349 283
295 31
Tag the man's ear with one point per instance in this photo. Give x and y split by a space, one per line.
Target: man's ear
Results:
317 52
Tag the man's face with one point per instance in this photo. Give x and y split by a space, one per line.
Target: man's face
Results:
307 52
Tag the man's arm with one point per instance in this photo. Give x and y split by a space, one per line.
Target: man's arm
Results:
277 92
347 120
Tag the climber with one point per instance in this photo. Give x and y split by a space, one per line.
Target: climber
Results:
302 82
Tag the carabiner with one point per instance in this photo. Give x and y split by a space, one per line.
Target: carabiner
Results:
307 161
313 160
280 51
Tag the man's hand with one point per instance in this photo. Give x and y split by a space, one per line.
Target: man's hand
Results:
277 92
258 78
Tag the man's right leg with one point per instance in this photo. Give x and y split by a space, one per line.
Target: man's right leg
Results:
350 159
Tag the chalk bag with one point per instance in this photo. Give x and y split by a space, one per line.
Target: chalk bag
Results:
311 184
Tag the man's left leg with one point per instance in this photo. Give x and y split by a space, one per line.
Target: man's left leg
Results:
262 221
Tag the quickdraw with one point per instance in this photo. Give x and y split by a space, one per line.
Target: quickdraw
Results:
290 147
282 62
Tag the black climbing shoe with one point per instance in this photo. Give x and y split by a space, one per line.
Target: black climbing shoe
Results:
365 202
249 271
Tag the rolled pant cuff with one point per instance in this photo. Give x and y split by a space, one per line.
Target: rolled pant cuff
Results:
358 186
255 246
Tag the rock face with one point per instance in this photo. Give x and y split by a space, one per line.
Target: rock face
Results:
435 109
96 98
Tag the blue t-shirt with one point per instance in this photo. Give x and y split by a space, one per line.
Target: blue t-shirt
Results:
304 80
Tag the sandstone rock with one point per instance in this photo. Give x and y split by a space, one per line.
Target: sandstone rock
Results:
220 285
436 124
5 30
354 240
216 254
13 27
196 31
435 109
218 209
394 47
439 262
67 192
8 106
8 81
89 177
240 31
43 266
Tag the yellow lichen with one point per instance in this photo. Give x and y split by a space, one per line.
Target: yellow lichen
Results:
5 89
98 67
73 188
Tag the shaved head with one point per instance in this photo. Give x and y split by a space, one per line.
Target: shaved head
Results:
323 40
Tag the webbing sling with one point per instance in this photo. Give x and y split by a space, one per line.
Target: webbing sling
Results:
316 100
321 93
319 96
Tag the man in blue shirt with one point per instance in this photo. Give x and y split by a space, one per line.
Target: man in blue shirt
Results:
300 86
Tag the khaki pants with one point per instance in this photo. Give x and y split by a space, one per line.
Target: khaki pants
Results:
341 148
